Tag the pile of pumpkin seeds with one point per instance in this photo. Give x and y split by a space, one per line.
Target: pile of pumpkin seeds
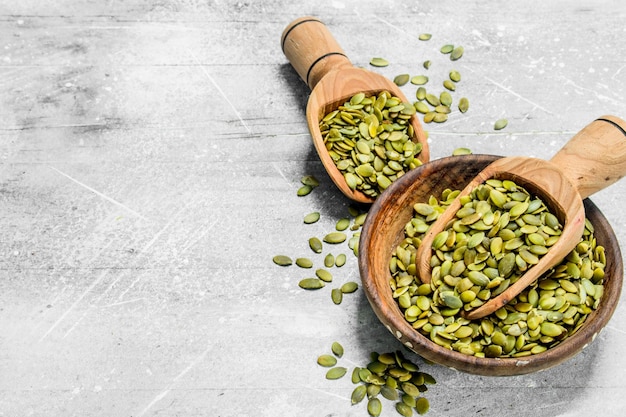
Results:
323 275
498 234
370 140
387 375
540 317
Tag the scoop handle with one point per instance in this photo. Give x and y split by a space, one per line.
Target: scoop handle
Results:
312 49
596 156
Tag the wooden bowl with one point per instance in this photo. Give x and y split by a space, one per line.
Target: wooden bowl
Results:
384 229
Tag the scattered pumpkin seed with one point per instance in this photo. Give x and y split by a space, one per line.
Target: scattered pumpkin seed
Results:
312 217
282 260
342 224
422 405
446 49
401 79
449 85
461 151
455 76
315 244
358 394
336 295
374 407
463 104
304 262
425 36
426 64
327 361
311 284
340 260
304 190
337 349
419 80
349 287
310 180
324 275
336 372
379 62
329 260
420 94
335 237
500 124
457 53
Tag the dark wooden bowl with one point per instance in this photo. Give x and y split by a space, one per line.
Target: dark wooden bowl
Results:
384 229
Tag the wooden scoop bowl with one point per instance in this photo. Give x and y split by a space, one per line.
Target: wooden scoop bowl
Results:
324 67
384 230
592 160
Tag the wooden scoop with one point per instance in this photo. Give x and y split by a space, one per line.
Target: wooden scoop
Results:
592 160
325 68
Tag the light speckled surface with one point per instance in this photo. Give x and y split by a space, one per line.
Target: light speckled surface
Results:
150 154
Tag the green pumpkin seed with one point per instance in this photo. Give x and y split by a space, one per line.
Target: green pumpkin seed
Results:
312 217
337 349
335 237
463 105
419 80
422 405
445 99
336 295
315 244
425 36
401 79
304 190
340 260
329 260
282 260
324 275
342 224
304 262
500 124
455 76
327 361
456 53
358 394
336 372
461 151
446 49
349 287
310 180
311 284
426 64
421 107
404 410
420 94
449 85
374 407
379 62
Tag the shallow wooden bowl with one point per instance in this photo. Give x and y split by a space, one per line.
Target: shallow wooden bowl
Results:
384 228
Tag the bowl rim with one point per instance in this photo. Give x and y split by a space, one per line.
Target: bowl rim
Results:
394 320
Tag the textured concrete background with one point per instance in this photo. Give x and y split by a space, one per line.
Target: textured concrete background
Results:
150 153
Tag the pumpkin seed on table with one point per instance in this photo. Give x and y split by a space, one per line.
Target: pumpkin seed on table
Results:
282 260
304 190
349 287
461 151
358 394
420 94
379 62
449 85
310 180
374 407
456 53
426 64
315 244
447 49
336 295
455 76
304 262
324 275
337 349
329 260
500 124
327 361
401 79
311 284
336 372
424 36
312 217
463 104
340 260
419 80
422 405
335 237
342 224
